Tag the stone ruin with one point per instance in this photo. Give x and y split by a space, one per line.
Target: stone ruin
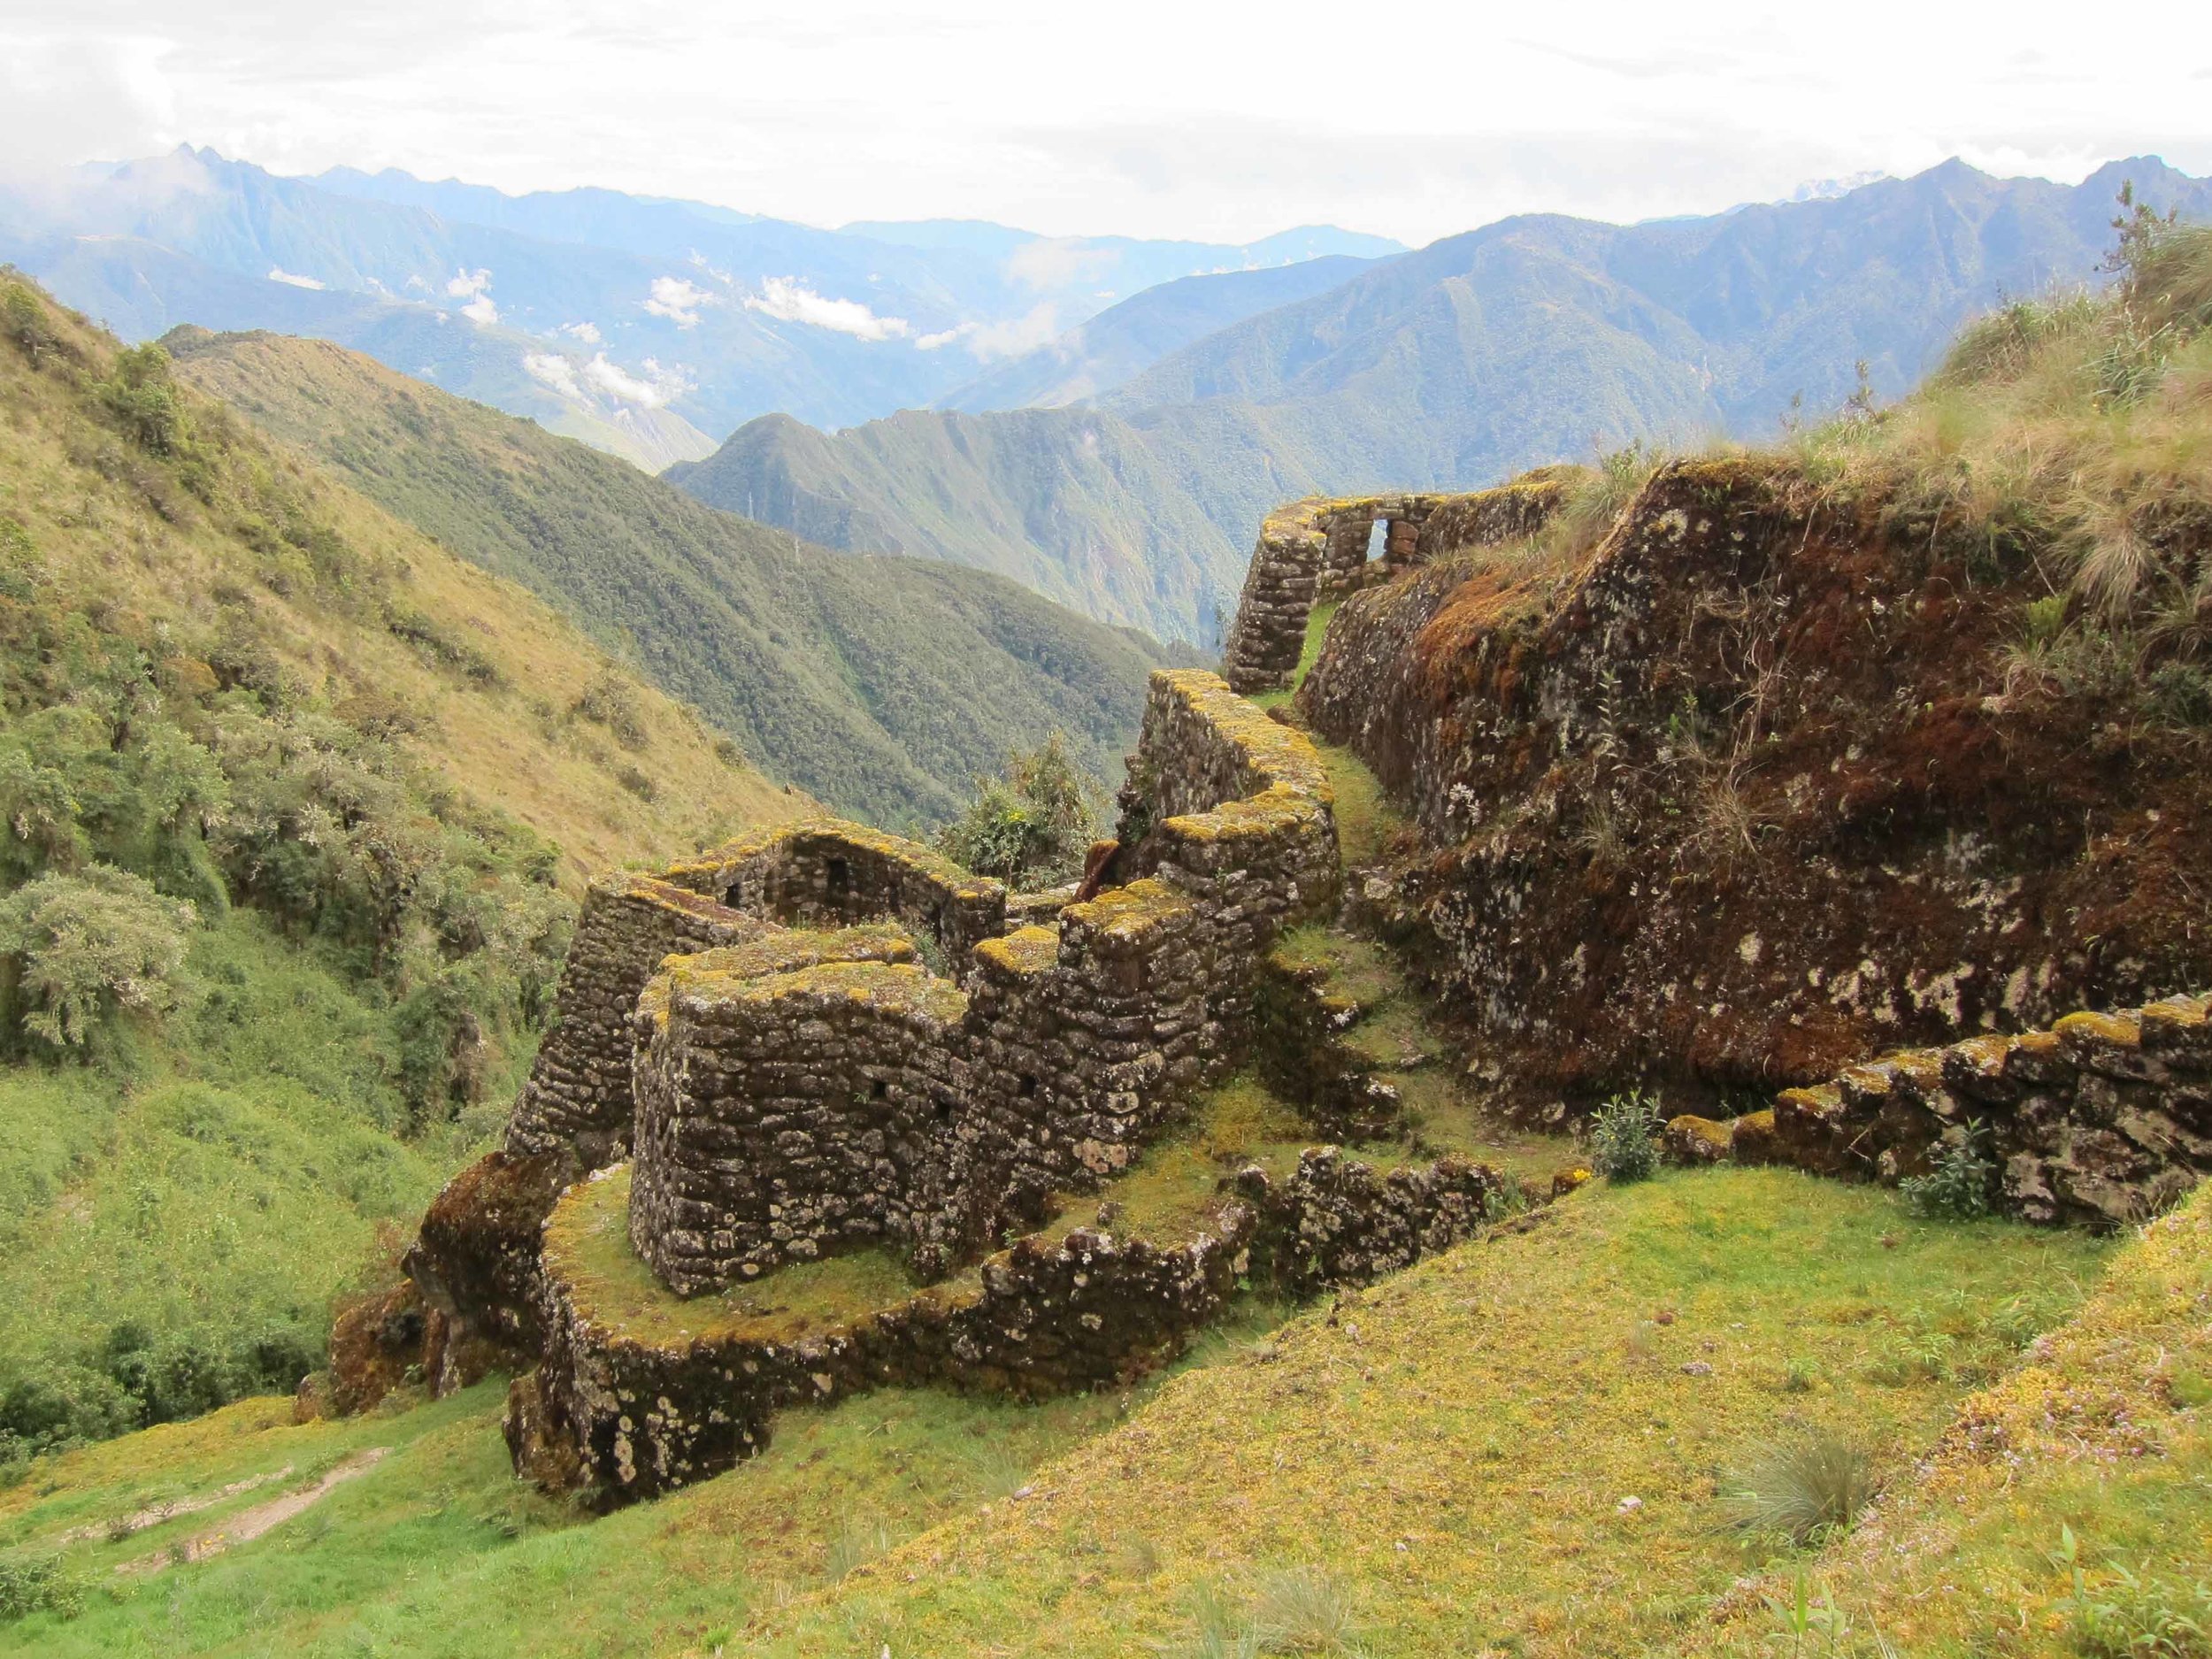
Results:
2100 1120
1319 549
820 1043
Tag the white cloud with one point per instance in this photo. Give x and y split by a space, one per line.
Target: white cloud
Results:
790 299
678 301
985 341
550 369
475 287
277 274
658 385
588 333
1059 262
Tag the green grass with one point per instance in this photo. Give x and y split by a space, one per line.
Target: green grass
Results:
440 1551
2103 1433
1317 635
220 1194
883 685
1451 1450
588 1247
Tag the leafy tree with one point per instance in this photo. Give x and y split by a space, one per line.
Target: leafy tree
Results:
84 948
1036 819
142 395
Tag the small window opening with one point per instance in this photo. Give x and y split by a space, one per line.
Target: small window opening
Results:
1377 540
838 878
1028 1088
734 895
880 1089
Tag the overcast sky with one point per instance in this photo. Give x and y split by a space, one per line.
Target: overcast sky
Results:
1220 122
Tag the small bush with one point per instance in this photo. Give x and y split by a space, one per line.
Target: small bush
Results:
1035 821
1961 1181
85 947
38 1583
1622 1145
613 702
1802 1490
142 397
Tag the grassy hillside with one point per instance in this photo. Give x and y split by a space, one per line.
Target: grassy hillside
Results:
292 805
1108 517
883 685
1438 1465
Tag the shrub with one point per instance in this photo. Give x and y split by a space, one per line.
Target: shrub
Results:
1803 1489
32 1582
85 947
1961 1181
24 319
1622 1137
1302 1609
1035 820
612 703
143 399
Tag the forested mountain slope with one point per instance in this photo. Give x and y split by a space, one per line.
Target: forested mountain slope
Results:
883 685
1122 342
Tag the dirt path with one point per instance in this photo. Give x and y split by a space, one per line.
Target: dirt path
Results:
249 1523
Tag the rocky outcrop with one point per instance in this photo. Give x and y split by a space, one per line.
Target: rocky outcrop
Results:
1737 796
2104 1120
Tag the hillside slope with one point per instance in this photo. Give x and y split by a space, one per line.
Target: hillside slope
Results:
1750 766
1531 340
1118 518
883 685
293 806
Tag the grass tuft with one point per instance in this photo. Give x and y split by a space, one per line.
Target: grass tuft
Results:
1802 1489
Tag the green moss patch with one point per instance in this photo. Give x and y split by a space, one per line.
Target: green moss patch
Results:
588 1249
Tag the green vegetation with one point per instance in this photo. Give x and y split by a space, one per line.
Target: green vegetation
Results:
2063 1514
270 963
884 686
1031 826
588 1248
1802 1490
2063 442
1623 1147
438 1550
1449 1458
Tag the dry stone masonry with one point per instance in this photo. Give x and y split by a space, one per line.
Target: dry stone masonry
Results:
822 1046
1316 551
2103 1120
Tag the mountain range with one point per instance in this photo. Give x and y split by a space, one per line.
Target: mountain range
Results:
1101 419
881 686
649 327
1535 339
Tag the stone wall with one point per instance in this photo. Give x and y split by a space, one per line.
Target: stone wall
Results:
788 1115
577 1098
1312 551
820 873
783 1115
637 1408
2104 1120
